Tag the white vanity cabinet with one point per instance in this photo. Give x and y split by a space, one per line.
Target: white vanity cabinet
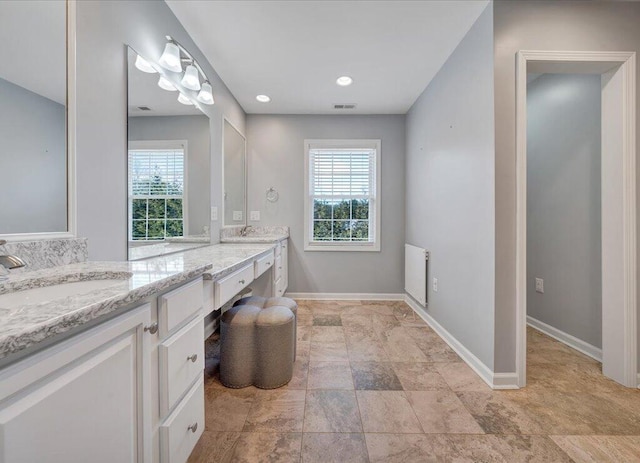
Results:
281 268
82 400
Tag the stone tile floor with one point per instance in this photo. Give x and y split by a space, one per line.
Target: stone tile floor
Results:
373 383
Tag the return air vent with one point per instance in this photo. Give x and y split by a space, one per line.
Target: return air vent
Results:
345 106
144 108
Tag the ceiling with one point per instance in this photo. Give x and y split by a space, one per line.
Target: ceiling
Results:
33 51
294 51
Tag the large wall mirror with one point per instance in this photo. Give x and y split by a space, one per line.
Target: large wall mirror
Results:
37 183
234 182
169 160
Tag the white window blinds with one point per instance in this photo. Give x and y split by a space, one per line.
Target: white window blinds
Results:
342 173
156 173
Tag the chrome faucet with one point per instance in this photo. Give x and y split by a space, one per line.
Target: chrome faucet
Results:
9 262
245 230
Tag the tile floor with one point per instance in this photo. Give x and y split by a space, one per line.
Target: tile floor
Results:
373 383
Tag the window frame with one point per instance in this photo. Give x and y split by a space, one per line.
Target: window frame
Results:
366 246
158 145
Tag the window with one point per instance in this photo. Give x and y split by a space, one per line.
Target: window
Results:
156 190
342 185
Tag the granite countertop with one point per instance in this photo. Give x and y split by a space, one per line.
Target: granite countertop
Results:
160 249
25 326
257 238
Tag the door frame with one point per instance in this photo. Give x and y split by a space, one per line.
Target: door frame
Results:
619 253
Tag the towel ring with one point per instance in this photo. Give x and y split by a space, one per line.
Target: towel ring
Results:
272 195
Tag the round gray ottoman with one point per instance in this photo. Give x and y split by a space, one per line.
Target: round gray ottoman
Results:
265 302
237 346
275 338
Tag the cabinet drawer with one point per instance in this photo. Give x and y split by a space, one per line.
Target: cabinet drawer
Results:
181 361
178 305
278 249
277 269
263 264
231 285
280 287
182 429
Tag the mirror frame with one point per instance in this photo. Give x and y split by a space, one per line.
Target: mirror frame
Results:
246 177
70 111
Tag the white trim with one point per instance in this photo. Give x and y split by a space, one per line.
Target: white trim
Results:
371 246
493 380
565 338
71 140
638 380
626 60
245 218
347 296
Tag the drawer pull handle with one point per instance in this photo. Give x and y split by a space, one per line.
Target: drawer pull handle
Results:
193 427
153 328
268 263
241 282
193 357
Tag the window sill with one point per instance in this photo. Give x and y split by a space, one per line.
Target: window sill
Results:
346 247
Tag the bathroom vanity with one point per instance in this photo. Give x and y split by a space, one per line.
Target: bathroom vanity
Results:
110 369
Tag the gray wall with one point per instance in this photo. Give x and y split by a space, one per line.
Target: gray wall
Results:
563 204
539 25
103 30
450 189
33 162
194 129
276 158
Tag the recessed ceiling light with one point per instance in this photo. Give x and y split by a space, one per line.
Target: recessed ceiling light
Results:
344 81
263 98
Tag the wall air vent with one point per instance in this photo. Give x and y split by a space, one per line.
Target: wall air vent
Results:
144 108
345 106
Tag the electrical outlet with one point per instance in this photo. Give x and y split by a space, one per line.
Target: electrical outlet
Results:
435 285
254 216
214 213
539 285
237 216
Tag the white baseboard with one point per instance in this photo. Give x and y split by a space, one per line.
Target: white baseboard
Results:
565 338
347 296
494 380
638 381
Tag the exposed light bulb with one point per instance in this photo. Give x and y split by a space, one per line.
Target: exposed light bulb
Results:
184 100
165 84
206 94
190 79
144 65
170 58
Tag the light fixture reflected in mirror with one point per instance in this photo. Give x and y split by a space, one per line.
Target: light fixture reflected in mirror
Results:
144 65
206 94
164 84
184 99
170 58
190 79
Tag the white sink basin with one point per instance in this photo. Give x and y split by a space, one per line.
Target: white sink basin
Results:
49 293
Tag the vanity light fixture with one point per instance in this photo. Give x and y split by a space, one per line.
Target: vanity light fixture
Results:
191 79
170 59
144 65
184 100
344 81
165 84
263 98
206 93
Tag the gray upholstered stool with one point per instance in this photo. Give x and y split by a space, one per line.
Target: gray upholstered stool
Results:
256 346
275 339
238 346
264 302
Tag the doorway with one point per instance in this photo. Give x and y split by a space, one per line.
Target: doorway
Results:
618 203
